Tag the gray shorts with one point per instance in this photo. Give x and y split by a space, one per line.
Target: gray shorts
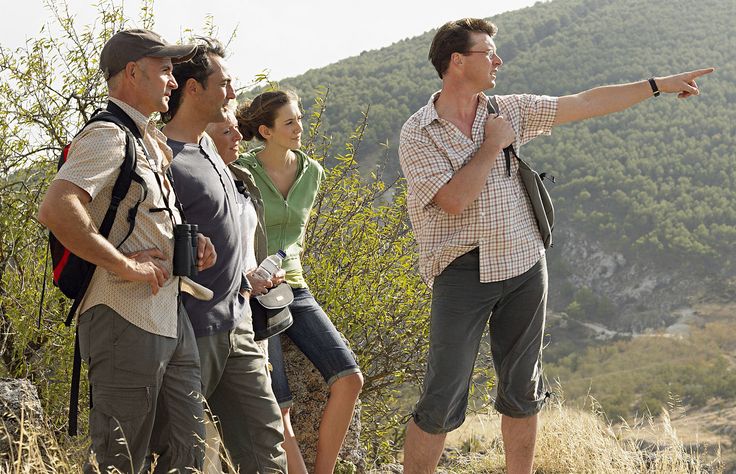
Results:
515 311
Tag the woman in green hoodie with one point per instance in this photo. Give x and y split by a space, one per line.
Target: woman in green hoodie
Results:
288 181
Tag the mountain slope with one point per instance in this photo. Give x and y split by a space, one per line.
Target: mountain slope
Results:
654 182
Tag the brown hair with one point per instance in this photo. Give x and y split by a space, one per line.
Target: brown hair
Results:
261 111
454 37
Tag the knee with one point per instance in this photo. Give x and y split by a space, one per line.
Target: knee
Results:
349 385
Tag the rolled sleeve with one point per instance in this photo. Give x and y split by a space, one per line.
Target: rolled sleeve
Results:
94 157
425 169
537 114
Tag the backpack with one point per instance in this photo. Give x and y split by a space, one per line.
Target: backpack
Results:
533 183
72 274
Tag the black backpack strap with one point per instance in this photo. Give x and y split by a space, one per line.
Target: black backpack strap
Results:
120 189
74 389
509 150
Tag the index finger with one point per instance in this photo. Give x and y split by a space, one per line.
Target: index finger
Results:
700 72
201 245
155 253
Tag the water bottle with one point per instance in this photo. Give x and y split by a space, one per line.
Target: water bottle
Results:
270 265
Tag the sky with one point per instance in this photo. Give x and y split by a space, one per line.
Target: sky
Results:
282 37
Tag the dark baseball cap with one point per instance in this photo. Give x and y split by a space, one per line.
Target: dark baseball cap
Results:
131 45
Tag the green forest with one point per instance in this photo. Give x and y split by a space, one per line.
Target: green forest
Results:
655 182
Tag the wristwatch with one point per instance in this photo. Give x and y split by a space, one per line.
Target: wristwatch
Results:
653 85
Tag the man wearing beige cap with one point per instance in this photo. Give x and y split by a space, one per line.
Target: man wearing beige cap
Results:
133 332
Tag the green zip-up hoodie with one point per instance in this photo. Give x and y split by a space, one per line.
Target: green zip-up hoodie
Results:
286 219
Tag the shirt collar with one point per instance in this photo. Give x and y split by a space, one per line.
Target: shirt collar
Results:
141 121
251 160
429 112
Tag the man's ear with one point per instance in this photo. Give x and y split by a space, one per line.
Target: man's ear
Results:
456 59
192 86
131 69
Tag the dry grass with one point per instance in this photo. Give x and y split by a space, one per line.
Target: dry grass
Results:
570 441
578 441
36 450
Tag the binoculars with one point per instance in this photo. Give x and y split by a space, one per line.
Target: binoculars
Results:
185 250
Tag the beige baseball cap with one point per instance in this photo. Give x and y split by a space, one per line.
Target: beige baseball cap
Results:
131 45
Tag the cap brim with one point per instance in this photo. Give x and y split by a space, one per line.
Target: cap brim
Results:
177 52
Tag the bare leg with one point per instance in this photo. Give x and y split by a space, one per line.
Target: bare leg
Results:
519 438
293 454
422 450
336 420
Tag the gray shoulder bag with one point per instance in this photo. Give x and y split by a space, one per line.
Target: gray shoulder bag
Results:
534 185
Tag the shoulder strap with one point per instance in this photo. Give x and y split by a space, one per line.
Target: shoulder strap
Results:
509 150
120 189
492 105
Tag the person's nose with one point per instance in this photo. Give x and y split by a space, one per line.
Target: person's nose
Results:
230 92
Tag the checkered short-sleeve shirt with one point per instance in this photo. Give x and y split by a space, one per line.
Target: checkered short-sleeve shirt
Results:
500 222
93 164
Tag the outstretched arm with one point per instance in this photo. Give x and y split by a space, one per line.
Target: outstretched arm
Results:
608 99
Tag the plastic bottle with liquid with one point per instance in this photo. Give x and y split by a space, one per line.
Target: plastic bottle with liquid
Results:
270 265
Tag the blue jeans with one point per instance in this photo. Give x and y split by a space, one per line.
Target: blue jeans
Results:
316 336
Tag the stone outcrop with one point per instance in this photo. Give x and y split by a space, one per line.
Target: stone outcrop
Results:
310 396
18 401
644 294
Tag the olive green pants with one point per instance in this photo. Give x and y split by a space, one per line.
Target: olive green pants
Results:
145 394
238 391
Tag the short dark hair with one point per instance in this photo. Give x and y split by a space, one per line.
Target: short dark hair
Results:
454 37
199 67
261 111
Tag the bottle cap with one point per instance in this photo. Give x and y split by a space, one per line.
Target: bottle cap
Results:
281 253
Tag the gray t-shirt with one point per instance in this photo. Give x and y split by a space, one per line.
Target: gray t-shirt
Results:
210 199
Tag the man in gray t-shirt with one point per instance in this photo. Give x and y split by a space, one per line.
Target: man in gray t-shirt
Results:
210 199
235 379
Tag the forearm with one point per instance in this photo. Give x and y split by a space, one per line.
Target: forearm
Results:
608 99
601 101
467 184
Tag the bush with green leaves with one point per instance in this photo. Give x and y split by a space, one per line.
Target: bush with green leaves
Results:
360 254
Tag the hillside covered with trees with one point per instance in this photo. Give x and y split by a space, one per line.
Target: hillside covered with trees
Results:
656 181
651 190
